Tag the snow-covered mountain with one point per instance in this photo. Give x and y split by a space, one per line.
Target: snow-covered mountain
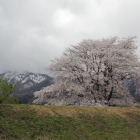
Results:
26 83
25 79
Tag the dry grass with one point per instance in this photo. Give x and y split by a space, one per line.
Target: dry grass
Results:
2 137
74 111
69 111
44 138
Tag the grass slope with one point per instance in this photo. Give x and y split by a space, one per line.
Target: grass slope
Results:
29 122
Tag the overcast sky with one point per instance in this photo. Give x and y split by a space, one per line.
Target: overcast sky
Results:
34 32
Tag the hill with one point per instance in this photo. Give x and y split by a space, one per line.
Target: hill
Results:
25 79
27 95
27 83
30 122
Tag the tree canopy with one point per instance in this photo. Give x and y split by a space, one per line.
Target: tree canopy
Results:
99 67
6 90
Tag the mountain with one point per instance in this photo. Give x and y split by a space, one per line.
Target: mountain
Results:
24 80
27 83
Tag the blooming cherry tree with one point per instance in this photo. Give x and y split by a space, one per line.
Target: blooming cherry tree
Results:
97 67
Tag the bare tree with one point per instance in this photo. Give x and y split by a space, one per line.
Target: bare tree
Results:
99 67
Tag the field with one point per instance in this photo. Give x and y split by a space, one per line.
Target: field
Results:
30 122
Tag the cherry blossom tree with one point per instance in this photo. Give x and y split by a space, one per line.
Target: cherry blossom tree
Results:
101 68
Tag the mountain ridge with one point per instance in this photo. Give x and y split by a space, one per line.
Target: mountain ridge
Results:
25 79
26 83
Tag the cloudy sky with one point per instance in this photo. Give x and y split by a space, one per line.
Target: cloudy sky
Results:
34 32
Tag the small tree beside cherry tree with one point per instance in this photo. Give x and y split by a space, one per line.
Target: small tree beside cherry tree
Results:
100 68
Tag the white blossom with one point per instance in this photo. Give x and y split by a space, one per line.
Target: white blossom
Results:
99 67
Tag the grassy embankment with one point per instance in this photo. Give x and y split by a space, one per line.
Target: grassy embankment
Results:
28 122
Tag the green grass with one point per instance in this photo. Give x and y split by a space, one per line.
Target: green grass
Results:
28 122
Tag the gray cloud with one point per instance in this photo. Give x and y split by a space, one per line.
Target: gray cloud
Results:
34 32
